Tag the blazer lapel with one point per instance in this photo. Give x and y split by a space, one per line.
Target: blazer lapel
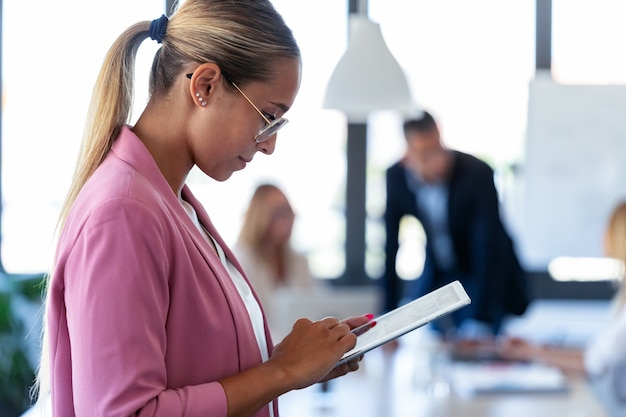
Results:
244 327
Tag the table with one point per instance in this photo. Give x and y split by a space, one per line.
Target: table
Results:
411 382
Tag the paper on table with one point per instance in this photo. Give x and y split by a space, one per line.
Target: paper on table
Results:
470 379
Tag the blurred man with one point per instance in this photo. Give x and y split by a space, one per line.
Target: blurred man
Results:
453 195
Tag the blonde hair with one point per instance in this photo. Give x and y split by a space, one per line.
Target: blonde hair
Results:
244 37
258 216
615 245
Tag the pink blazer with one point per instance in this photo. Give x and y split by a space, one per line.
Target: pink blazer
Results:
143 318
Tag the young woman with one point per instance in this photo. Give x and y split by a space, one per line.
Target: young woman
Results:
148 310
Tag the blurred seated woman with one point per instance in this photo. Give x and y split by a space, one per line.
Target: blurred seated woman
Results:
604 360
265 252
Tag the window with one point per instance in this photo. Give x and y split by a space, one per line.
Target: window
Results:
587 41
50 63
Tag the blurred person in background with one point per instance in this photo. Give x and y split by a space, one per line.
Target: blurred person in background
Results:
265 252
454 196
604 360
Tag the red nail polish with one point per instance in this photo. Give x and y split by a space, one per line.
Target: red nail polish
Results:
369 316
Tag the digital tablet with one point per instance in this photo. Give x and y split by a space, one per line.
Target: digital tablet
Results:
407 318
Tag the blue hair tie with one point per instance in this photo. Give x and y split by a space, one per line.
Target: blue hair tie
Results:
158 28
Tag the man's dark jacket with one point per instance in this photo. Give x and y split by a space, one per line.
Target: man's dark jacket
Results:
486 262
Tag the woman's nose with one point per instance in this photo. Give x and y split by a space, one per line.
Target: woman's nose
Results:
268 145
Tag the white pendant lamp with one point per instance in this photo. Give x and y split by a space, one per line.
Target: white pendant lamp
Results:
367 77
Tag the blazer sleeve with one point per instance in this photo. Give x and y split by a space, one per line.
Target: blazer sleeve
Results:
116 295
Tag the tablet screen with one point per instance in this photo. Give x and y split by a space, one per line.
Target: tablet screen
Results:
407 318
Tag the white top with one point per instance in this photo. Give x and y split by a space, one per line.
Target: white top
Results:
605 363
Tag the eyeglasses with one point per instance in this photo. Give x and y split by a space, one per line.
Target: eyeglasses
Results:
273 123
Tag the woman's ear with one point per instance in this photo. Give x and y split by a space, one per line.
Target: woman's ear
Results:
203 82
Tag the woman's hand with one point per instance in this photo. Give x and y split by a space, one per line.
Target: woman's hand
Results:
309 353
353 364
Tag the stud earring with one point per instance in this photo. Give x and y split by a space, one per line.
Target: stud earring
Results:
201 100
